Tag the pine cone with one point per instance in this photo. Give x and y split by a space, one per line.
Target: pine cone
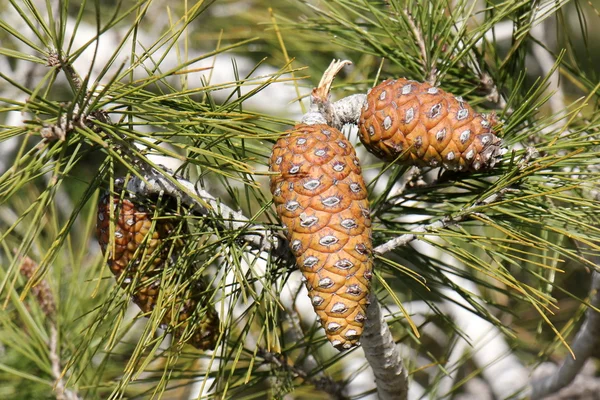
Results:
322 201
205 333
133 223
418 124
134 249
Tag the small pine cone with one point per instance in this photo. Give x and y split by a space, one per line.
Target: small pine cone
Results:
321 199
133 249
418 124
41 291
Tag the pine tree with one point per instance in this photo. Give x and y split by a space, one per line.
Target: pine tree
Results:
169 111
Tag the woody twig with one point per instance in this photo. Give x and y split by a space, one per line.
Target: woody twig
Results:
44 297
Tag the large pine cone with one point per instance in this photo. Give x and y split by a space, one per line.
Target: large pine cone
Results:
138 245
418 124
322 201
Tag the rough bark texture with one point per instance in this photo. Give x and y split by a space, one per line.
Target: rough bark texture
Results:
258 237
585 342
383 355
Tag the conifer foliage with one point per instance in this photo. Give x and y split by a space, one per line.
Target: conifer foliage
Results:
158 211
140 249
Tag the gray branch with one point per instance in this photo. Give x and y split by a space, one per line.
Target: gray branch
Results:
203 203
383 355
585 342
445 222
61 392
45 299
347 110
379 347
336 114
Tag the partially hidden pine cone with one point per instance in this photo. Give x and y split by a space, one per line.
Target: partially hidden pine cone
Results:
321 199
139 245
419 124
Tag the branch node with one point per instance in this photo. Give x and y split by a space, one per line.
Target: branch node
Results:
321 93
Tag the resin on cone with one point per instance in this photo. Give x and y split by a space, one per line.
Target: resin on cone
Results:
140 245
419 124
321 200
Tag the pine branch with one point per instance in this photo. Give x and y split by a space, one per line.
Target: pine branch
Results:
158 119
383 356
442 223
325 384
158 182
585 343
418 35
62 393
454 219
202 202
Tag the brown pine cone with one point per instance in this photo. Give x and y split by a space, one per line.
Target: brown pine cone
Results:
133 223
418 124
138 246
205 333
322 201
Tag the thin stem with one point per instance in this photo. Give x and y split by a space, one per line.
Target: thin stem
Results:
62 393
449 220
418 34
445 222
45 299
325 384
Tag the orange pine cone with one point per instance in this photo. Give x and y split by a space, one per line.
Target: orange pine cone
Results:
322 201
133 248
418 124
